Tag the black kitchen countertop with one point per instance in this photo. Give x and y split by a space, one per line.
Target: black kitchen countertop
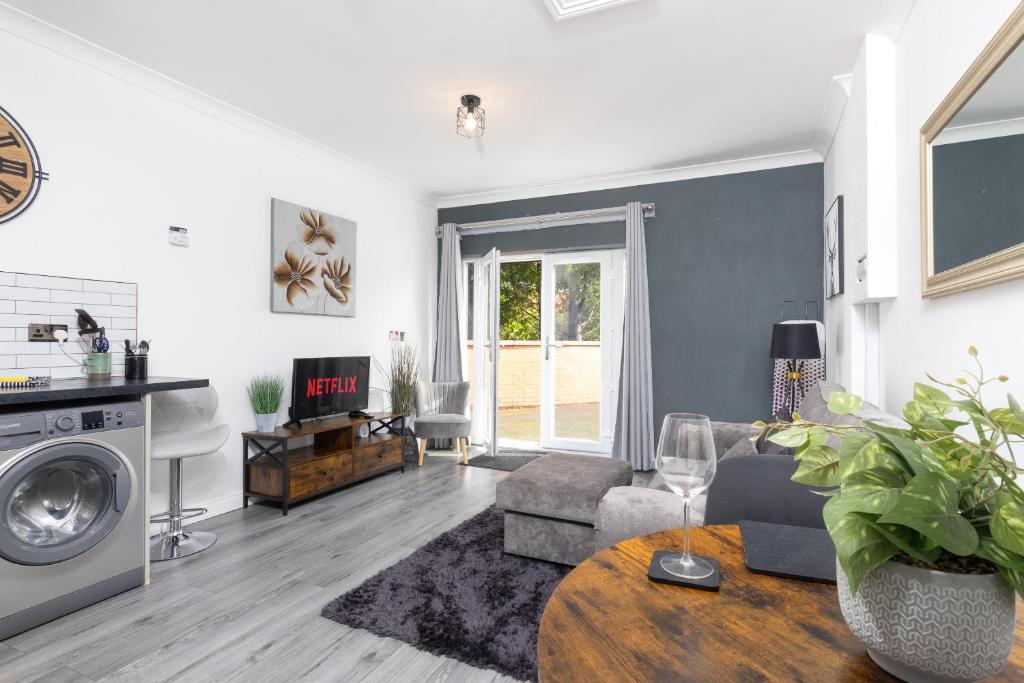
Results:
77 389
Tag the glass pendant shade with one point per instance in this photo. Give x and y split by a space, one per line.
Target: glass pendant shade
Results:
470 119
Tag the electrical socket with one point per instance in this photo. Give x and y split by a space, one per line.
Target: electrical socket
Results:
43 332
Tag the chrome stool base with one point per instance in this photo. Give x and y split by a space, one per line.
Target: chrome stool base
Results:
173 547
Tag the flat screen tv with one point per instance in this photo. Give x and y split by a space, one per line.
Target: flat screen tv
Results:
328 386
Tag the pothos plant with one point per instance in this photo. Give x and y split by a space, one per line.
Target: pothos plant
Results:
928 494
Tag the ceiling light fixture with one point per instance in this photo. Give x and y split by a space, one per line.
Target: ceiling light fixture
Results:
470 119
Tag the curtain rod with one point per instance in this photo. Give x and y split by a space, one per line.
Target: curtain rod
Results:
550 220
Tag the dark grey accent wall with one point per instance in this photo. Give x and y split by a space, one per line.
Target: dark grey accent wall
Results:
978 199
723 253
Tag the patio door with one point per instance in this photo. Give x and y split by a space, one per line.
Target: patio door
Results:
484 319
581 349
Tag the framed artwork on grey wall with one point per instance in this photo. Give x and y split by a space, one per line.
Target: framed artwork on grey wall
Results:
313 261
834 275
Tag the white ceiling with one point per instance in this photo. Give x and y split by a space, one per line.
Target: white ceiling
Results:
645 85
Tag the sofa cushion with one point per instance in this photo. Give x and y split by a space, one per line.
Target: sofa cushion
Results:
741 447
814 406
442 426
562 486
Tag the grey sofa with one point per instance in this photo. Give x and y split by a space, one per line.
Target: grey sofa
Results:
747 485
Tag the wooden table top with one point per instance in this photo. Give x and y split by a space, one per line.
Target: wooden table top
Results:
607 622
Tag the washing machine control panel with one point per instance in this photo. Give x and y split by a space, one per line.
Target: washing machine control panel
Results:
23 429
82 420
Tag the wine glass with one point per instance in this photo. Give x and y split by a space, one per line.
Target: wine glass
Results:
686 461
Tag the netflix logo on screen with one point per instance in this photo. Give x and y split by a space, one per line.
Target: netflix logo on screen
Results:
331 385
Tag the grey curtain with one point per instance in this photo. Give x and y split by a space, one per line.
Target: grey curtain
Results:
448 352
634 428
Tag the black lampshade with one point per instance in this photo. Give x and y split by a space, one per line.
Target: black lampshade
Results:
798 340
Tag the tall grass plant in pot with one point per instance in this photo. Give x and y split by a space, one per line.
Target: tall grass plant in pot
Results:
265 393
928 525
400 378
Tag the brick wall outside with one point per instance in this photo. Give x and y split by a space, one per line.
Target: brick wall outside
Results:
577 373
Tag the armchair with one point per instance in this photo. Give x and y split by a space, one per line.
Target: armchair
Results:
441 414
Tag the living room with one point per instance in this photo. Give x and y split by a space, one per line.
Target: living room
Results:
499 294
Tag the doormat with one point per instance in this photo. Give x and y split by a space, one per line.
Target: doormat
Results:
509 462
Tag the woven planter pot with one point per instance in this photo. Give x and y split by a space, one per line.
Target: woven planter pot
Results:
924 625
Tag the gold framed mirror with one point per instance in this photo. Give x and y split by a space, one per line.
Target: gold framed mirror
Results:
972 173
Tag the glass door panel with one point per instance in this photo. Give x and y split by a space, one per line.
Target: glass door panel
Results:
581 339
485 351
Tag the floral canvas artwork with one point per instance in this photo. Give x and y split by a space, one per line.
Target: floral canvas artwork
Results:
313 267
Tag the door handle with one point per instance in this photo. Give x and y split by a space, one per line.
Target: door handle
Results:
547 348
122 491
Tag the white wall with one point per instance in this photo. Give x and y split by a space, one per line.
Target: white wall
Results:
937 44
129 154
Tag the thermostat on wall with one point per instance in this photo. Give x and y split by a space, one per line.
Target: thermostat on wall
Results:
177 236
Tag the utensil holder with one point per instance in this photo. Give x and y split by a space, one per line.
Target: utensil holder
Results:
98 365
136 367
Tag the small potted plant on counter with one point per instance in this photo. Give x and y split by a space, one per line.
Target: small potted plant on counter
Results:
265 393
928 525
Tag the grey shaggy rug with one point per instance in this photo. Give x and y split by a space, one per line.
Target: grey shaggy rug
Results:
460 596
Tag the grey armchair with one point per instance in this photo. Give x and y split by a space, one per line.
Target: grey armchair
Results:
441 414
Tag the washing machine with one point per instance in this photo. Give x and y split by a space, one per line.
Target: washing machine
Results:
72 521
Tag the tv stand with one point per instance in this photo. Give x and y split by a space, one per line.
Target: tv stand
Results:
337 457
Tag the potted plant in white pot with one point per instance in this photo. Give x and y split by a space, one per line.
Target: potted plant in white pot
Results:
265 393
928 524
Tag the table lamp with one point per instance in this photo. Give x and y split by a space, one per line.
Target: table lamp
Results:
795 343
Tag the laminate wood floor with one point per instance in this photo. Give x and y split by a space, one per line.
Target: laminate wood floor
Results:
248 609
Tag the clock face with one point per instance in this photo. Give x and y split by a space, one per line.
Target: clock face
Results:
20 173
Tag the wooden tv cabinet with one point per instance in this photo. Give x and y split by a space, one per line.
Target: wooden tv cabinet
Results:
274 470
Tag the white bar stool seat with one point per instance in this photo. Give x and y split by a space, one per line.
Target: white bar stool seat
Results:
182 429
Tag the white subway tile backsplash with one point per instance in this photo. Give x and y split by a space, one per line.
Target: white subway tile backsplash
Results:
21 320
80 299
47 281
24 293
65 373
44 307
28 299
110 287
111 311
53 361
19 347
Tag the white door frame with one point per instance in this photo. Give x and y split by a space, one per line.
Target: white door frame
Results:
612 296
486 319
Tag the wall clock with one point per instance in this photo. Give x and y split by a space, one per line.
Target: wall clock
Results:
20 172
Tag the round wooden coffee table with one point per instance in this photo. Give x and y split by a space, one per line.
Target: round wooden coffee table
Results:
607 622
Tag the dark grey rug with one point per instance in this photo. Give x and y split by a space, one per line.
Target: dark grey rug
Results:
505 463
460 596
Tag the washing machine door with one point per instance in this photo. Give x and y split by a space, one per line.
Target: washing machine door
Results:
59 500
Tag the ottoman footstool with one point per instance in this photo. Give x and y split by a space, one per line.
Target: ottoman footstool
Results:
550 505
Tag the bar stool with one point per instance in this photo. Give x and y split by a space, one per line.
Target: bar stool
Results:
182 428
